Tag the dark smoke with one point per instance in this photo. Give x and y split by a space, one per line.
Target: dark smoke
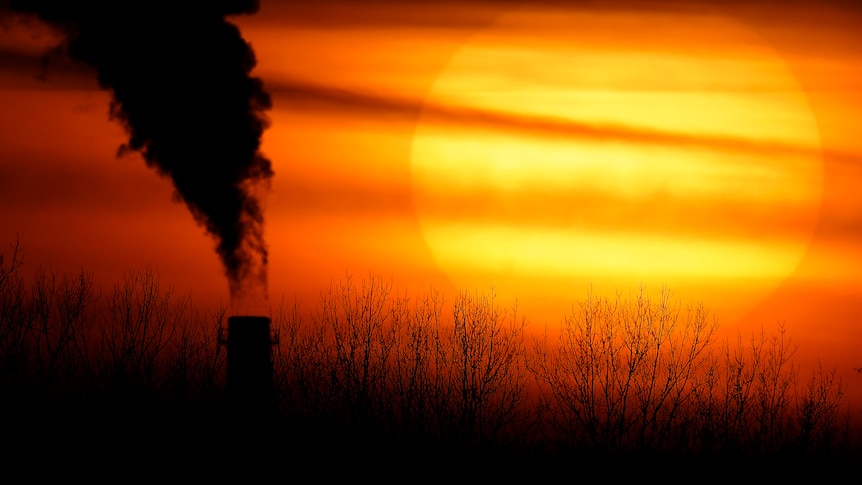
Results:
179 75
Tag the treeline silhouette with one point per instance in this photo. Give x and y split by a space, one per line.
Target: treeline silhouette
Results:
376 382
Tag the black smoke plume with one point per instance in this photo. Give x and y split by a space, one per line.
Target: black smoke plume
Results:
179 73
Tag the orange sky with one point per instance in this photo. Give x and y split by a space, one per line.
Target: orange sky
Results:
542 150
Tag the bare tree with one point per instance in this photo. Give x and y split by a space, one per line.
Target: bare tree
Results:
481 368
196 361
356 329
622 373
744 397
417 358
817 407
300 378
62 312
141 322
15 322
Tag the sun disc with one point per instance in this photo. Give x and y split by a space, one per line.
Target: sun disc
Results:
683 154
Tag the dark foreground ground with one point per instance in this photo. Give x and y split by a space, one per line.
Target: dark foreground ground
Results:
64 441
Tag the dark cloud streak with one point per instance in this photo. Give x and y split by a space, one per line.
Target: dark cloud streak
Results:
435 14
298 95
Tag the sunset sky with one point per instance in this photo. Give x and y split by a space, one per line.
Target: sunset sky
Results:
539 148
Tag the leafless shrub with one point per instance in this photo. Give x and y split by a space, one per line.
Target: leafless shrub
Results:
298 367
641 376
43 326
622 373
356 327
377 363
744 397
16 324
196 361
62 313
140 324
482 370
418 356
817 411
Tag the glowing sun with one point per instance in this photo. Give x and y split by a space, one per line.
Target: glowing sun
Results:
564 150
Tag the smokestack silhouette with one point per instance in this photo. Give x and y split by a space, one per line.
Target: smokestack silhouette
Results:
249 388
180 77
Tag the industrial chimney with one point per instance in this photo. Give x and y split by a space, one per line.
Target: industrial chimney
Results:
249 389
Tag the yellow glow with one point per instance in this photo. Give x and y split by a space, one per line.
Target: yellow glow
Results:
543 252
740 155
